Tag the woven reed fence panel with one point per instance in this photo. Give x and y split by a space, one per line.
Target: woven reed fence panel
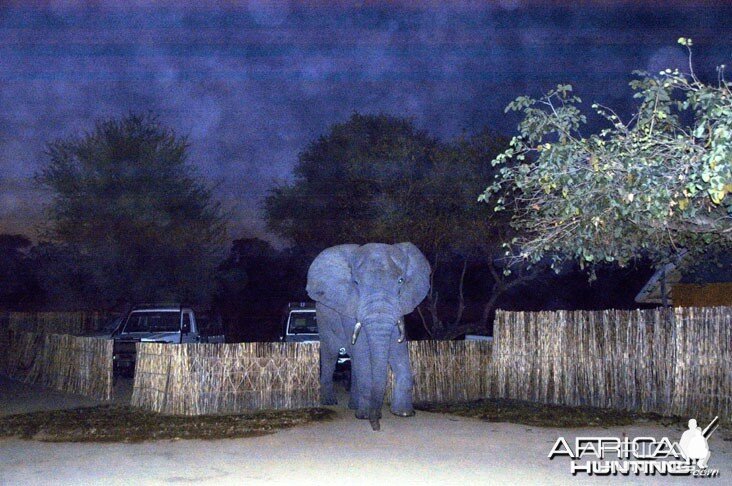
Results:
23 356
75 323
66 363
635 360
448 371
202 379
702 377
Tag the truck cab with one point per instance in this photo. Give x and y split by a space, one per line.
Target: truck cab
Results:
300 325
159 323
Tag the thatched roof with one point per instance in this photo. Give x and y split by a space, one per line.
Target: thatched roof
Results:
686 269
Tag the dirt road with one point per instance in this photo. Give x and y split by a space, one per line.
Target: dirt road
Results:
426 449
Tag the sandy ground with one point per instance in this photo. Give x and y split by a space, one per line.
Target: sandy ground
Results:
17 397
426 449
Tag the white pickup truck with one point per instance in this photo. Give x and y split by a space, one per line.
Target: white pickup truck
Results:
160 323
300 325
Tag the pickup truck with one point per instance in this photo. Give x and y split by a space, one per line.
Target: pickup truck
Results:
300 325
160 323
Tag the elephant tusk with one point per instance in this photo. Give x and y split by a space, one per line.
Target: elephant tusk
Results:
400 325
356 330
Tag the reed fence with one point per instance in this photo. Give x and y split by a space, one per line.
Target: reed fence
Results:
71 364
201 379
448 371
646 360
636 360
23 356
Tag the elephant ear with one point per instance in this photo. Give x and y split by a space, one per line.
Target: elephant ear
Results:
416 279
330 281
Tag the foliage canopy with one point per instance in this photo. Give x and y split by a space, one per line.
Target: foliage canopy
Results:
378 178
349 181
653 184
131 211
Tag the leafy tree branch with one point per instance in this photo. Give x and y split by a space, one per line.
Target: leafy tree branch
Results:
653 184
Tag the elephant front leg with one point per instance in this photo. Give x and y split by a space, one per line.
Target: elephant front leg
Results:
327 368
401 399
352 391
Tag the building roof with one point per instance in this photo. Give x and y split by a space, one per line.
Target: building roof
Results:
686 269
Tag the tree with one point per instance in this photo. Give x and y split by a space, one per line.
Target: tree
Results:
256 281
378 178
344 181
18 287
439 210
66 278
653 184
137 217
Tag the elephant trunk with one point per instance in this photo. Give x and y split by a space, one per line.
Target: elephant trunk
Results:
378 337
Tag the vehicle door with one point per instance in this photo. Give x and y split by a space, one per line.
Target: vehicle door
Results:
188 327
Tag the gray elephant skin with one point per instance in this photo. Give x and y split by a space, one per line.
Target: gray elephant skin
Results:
366 291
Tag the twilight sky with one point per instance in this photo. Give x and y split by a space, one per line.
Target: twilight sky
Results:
252 82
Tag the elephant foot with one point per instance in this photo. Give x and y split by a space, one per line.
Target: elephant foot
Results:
375 425
328 401
403 413
362 414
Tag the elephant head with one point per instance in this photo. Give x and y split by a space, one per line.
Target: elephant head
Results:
376 285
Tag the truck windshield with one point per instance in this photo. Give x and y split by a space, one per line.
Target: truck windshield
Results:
153 321
303 323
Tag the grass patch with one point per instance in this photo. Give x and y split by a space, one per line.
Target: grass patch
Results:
544 415
127 424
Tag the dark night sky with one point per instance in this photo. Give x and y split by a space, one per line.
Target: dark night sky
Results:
252 83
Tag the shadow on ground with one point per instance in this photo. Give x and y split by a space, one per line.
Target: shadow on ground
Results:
545 415
127 424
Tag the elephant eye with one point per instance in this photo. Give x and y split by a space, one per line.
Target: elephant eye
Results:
401 280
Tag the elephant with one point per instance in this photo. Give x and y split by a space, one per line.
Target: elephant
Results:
367 290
